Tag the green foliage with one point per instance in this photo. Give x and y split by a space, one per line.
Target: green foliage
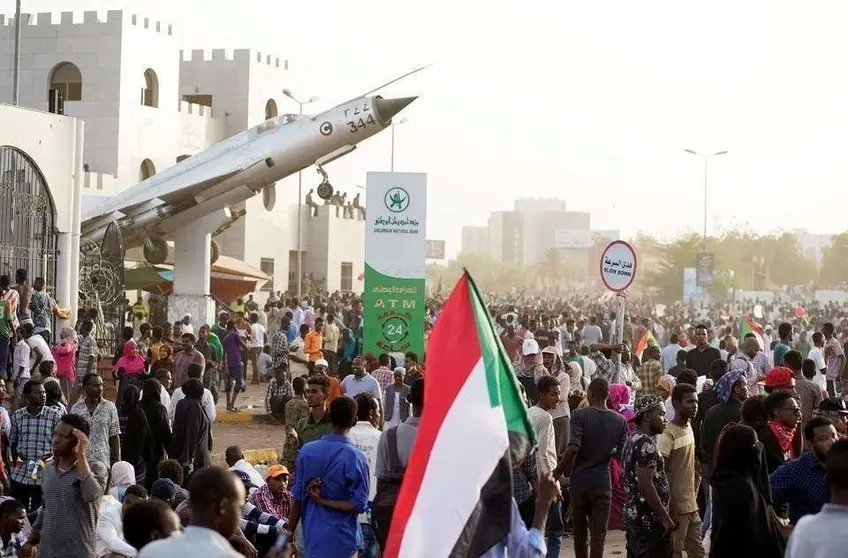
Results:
834 265
741 261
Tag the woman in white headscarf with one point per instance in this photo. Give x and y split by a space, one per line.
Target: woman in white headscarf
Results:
123 475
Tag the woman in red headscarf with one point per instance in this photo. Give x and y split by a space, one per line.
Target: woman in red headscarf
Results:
130 368
618 401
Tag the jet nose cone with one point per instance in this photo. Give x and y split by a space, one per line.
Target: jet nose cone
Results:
387 108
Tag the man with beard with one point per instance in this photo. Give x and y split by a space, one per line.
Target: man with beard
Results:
802 482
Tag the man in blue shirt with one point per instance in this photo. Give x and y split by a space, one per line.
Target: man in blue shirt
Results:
801 482
331 488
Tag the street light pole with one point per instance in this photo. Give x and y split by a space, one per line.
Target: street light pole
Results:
16 72
706 158
300 104
402 121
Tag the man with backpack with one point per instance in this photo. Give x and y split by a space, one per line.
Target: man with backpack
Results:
393 453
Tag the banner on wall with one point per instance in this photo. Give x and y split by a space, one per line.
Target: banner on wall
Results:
395 262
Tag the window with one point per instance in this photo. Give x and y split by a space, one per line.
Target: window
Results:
150 92
267 267
66 78
347 277
146 170
270 109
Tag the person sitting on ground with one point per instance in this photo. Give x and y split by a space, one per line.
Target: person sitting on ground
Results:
234 457
172 470
109 534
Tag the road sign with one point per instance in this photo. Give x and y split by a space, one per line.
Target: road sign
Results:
618 266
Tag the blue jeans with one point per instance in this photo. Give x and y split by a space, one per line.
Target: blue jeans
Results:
706 472
554 530
370 547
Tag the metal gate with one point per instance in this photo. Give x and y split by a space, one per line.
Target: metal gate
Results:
27 214
101 288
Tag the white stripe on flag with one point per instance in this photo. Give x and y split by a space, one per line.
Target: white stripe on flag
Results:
471 441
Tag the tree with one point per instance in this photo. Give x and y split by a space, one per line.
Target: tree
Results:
551 268
667 276
833 268
741 260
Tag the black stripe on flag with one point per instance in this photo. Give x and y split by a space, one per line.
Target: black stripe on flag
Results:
491 518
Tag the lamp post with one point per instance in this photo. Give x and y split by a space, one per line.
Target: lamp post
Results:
16 72
706 157
402 121
290 95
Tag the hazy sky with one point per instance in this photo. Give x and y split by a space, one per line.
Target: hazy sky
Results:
592 102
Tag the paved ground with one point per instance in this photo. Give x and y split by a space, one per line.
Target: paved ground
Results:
614 546
247 430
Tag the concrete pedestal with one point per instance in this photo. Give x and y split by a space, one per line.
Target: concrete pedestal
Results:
192 273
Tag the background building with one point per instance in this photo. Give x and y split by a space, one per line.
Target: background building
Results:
147 105
475 240
534 226
812 245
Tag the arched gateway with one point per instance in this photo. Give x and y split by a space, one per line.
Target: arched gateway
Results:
27 216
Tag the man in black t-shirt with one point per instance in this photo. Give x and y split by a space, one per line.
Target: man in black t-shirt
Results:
702 356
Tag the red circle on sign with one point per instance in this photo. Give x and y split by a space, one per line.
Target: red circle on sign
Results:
601 265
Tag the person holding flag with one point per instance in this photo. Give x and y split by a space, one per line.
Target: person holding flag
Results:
473 405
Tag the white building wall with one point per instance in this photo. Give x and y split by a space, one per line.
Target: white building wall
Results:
112 51
92 43
147 132
331 240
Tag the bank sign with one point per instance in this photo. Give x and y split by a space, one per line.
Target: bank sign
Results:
395 262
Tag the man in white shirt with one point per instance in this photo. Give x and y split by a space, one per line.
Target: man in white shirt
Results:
207 401
561 414
216 502
330 335
21 370
543 424
109 534
40 349
254 346
669 353
817 355
395 404
360 381
366 437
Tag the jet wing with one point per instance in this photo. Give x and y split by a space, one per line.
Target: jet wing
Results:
126 202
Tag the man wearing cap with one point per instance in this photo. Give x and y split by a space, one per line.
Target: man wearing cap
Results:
322 368
649 524
274 497
777 378
395 404
530 368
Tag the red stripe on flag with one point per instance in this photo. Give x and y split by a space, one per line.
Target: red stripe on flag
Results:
453 351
